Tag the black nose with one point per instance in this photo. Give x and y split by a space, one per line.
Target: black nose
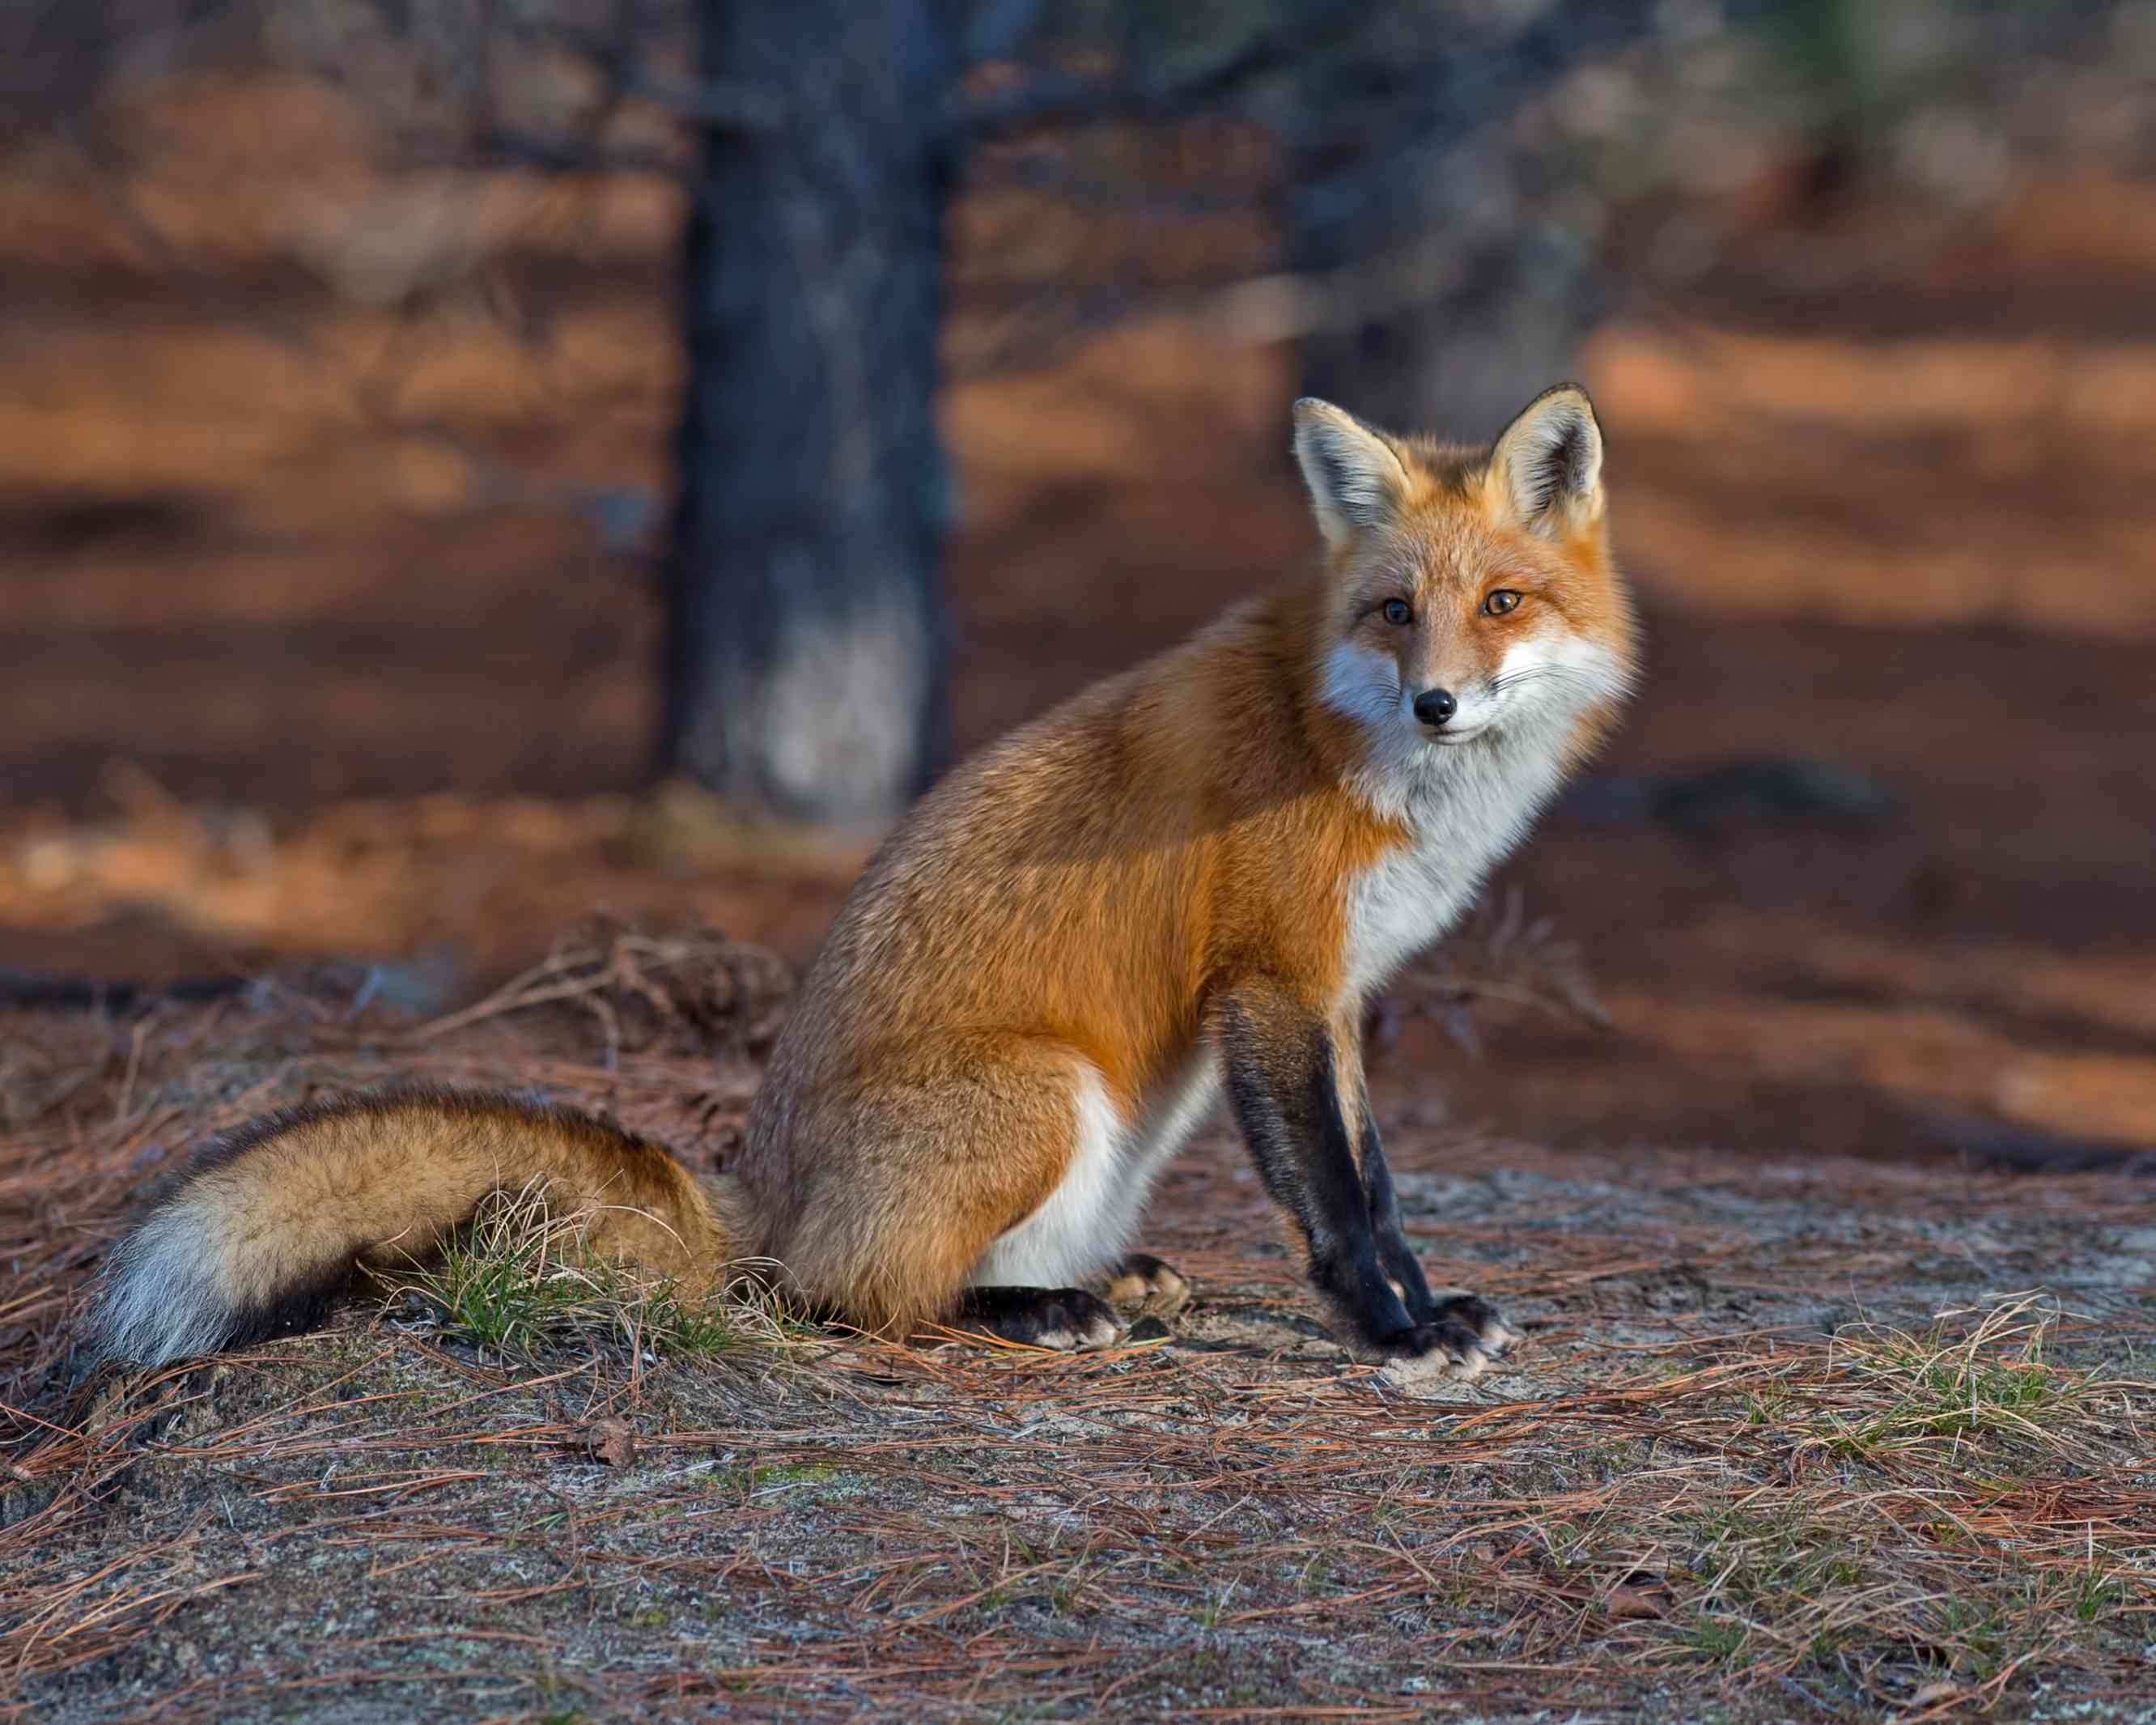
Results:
1434 707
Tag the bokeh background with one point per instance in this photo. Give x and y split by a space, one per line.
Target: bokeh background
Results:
441 440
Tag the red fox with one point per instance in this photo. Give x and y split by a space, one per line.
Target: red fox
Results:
1187 877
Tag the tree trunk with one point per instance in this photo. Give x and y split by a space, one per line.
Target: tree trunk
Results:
1450 286
1434 317
1462 367
805 653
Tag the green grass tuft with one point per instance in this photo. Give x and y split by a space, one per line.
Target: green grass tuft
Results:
1989 1381
521 1279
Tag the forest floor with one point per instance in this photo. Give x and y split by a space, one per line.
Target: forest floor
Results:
1788 1438
329 631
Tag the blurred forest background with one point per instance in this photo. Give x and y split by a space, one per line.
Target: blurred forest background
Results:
465 463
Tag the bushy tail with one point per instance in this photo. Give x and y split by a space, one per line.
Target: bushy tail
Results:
269 1225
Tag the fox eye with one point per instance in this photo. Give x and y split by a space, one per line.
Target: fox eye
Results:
1397 612
1497 603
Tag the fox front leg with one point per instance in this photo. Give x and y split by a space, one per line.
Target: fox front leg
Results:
1405 1270
1284 1067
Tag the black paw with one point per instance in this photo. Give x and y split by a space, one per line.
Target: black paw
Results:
1065 1319
1142 1283
1458 1343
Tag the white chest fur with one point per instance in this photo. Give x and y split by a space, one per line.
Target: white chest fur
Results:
1473 809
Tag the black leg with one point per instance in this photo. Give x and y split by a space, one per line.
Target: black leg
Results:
1066 1319
1401 1266
1284 1080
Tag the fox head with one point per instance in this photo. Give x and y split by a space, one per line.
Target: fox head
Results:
1471 601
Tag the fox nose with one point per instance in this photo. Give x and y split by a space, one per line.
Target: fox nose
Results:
1434 707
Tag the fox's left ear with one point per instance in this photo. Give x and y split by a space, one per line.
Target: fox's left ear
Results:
1545 469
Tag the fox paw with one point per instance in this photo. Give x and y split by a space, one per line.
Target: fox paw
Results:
1142 1283
1065 1319
1457 1344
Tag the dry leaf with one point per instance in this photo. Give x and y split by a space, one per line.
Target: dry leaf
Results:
1630 1602
611 1441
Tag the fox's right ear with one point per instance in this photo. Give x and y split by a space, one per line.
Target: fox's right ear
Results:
1354 474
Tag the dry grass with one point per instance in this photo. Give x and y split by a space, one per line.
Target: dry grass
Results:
1881 1511
692 994
1781 1443
1500 956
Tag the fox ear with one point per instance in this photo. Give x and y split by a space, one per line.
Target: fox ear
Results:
1354 474
1545 469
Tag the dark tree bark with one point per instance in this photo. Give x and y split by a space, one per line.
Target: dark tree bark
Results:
1459 362
805 675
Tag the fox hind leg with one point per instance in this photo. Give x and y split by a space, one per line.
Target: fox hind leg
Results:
1066 1319
980 1201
